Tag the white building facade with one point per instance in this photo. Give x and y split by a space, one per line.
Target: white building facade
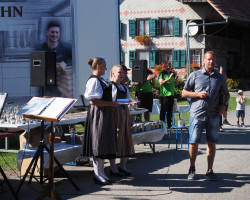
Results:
165 21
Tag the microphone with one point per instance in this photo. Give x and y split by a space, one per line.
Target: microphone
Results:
207 89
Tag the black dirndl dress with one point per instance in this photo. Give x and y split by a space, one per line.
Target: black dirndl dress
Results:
100 131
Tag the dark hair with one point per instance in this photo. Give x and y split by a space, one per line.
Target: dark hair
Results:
169 63
125 68
95 61
53 24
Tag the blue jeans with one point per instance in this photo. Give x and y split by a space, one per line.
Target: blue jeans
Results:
211 126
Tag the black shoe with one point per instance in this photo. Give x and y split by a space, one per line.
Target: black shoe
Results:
110 181
97 181
118 174
126 173
211 176
225 122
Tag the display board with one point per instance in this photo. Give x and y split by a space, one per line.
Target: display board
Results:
88 29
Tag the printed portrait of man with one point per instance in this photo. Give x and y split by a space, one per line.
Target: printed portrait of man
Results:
64 78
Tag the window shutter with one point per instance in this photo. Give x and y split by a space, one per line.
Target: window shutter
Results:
131 57
132 28
182 58
176 58
122 58
153 27
120 28
176 26
153 58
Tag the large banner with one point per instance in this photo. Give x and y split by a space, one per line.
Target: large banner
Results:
35 25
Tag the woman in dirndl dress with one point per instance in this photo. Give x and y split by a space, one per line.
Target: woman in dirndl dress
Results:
100 131
125 146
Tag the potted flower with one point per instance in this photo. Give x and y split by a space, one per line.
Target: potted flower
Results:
230 83
161 67
193 67
143 39
158 69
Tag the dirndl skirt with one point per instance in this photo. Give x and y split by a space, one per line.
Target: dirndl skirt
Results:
100 133
125 145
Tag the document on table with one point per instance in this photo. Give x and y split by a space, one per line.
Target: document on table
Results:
57 107
35 106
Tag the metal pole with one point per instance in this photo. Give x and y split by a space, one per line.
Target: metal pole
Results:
188 43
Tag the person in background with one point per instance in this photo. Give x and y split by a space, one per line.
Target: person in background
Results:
204 87
100 139
240 108
125 146
224 115
63 61
145 95
126 81
167 80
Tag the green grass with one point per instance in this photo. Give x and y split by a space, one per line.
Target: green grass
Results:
185 116
14 141
10 159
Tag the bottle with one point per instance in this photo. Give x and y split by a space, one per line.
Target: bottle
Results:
136 104
72 135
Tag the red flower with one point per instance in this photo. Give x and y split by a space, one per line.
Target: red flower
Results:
142 39
193 67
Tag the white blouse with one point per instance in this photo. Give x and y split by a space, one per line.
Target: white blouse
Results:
94 89
114 91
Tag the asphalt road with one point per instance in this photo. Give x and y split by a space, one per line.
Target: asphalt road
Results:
162 175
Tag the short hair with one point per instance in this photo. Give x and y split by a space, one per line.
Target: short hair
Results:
53 24
207 52
168 63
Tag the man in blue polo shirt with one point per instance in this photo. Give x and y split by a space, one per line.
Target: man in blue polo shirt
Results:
204 87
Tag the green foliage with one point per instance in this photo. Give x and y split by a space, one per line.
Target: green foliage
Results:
178 89
233 83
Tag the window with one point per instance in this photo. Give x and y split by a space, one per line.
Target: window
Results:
179 58
122 58
143 55
166 26
195 56
154 27
165 56
132 56
143 27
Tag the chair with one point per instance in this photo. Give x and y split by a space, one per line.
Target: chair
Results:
175 126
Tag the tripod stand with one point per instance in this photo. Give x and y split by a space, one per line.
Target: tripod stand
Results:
40 153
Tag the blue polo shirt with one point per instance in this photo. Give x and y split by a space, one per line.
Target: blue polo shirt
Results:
215 83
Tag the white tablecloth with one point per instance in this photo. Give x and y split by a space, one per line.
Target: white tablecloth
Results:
138 111
154 135
63 152
71 118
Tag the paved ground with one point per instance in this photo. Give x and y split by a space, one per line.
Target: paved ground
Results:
163 175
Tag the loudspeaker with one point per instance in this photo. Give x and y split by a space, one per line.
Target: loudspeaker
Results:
42 68
139 71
